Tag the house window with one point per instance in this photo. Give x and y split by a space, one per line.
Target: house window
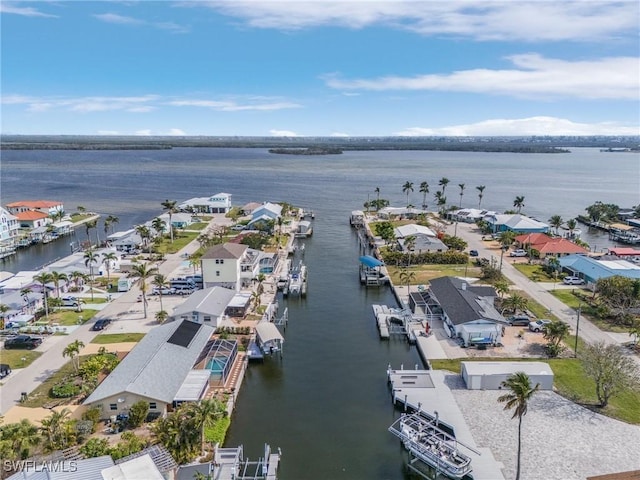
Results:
152 405
219 261
113 406
207 318
217 273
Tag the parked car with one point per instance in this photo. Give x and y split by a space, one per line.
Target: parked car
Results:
539 325
518 253
100 324
238 228
70 301
185 290
164 291
473 253
23 341
572 280
520 320
4 370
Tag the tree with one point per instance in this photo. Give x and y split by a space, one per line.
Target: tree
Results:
205 414
144 233
410 244
610 368
160 281
603 212
95 447
571 226
518 203
90 257
4 308
43 278
480 189
444 181
619 294
556 222
502 287
159 226
386 231
73 351
407 188
520 392
107 258
506 239
24 293
88 226
407 276
138 413
377 190
514 303
195 261
58 277
170 207
142 272
54 429
461 185
162 316
555 333
424 189
20 437
77 278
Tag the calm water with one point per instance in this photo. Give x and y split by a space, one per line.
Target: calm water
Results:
325 403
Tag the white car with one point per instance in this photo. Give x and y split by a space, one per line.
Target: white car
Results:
572 281
518 253
539 325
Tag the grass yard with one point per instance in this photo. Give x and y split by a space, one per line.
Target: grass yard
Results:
571 382
569 299
424 273
106 338
40 396
533 272
197 226
14 358
71 317
180 241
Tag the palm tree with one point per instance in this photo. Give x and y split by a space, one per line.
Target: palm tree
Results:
555 333
410 244
160 281
501 287
144 233
24 293
21 436
53 429
206 413
161 316
57 277
407 276
520 392
111 220
159 225
556 222
195 262
90 257
444 181
377 190
518 203
480 189
407 188
514 303
170 207
461 185
506 239
142 272
72 351
107 258
571 226
77 278
88 226
424 189
43 278
3 309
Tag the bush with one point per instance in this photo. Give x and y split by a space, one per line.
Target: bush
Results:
137 413
95 447
64 390
84 428
93 415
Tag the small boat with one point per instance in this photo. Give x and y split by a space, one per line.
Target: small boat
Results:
297 281
423 439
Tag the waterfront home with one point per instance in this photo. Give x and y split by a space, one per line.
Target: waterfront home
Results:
32 219
490 375
542 246
424 239
155 370
48 207
234 265
269 210
218 203
469 215
515 223
249 207
591 269
208 306
467 311
126 241
178 220
9 226
401 212
626 253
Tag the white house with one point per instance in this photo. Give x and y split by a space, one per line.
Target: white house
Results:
221 265
218 203
48 207
208 306
9 227
469 215
271 210
490 375
32 219
515 223
413 229
125 241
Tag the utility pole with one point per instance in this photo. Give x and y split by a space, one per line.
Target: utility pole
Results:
575 347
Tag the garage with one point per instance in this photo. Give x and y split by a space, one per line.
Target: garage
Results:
490 375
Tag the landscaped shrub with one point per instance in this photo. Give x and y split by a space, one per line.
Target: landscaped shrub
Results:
93 415
137 413
84 429
64 390
95 447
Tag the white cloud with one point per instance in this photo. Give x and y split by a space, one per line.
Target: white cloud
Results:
534 76
233 106
488 20
123 20
143 133
282 133
13 8
176 132
525 126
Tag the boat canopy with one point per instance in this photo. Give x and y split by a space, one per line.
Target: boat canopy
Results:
370 261
268 332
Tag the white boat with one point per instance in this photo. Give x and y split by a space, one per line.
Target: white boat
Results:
297 283
423 439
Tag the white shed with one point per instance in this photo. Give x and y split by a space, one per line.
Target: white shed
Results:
490 375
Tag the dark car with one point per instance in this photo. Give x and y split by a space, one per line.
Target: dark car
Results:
101 324
4 370
23 341
519 320
473 253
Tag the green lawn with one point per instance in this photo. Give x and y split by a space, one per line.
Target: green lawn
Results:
424 273
14 358
40 396
197 226
180 241
571 382
71 317
569 299
533 272
105 338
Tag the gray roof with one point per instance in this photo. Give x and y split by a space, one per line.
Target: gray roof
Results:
226 250
463 302
210 301
87 469
155 368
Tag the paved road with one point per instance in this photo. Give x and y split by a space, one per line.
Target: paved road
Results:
128 317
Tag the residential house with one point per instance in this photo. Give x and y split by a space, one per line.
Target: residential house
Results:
221 265
48 207
425 239
84 468
249 207
218 203
401 212
467 310
126 241
515 223
265 213
32 219
207 306
178 220
9 226
469 215
154 370
543 246
591 269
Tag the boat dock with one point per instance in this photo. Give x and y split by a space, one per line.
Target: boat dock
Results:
398 321
230 464
426 391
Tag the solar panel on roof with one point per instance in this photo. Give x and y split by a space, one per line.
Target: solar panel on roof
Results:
184 333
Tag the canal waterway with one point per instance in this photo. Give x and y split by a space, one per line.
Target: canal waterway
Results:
325 403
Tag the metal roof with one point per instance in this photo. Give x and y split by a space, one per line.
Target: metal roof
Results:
193 386
370 261
498 368
210 301
268 332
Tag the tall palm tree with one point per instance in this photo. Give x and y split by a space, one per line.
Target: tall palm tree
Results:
407 276
111 220
424 189
520 392
206 414
480 189
518 203
410 244
43 278
170 207
461 185
88 226
407 188
53 430
24 293
444 181
159 225
506 239
4 308
77 278
195 261
73 351
556 222
571 226
90 258
144 233
107 258
58 277
160 281
142 272
377 190
21 436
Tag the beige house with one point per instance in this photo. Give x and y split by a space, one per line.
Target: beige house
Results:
222 266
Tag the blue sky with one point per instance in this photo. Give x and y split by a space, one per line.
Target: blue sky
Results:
320 68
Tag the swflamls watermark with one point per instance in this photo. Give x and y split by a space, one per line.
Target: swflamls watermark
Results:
34 466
